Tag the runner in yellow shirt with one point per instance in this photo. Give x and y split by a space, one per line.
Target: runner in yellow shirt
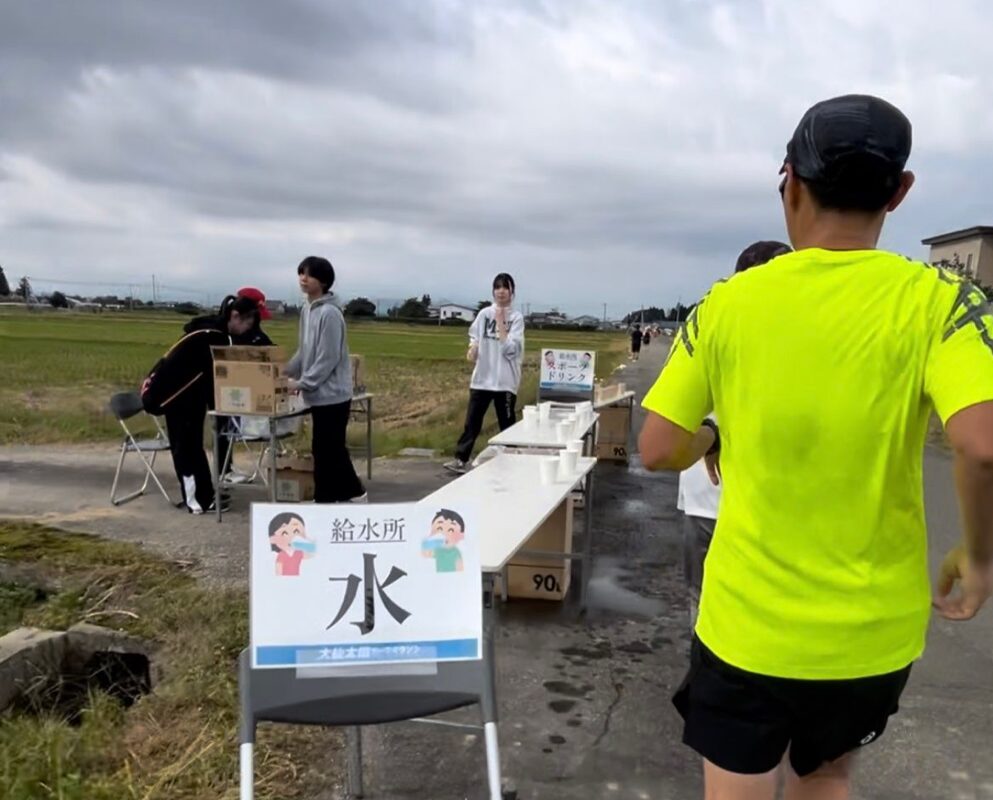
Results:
823 368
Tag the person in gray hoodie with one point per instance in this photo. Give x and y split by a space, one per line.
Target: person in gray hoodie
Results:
496 344
321 371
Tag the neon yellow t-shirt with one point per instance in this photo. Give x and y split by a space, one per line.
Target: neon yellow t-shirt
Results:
823 368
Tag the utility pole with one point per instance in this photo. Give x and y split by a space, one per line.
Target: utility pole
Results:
604 313
154 298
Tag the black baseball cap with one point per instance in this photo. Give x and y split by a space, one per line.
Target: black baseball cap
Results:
851 125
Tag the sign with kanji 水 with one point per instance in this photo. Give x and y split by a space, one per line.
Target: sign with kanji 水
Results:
567 370
344 584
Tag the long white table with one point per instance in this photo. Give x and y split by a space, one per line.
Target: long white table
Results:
541 435
510 503
624 398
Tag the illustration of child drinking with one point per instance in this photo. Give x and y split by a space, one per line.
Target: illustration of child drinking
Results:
447 530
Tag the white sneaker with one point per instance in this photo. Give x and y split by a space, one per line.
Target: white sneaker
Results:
362 498
235 477
458 466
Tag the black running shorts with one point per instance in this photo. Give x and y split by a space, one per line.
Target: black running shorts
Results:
745 723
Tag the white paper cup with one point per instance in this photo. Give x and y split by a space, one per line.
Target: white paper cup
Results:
544 412
564 431
530 417
574 446
567 464
548 469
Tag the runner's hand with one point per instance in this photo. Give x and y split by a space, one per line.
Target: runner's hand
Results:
473 353
713 463
294 386
975 584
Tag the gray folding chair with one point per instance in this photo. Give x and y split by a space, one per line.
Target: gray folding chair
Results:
125 406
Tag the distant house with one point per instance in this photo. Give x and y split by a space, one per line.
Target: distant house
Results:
276 307
969 250
452 311
586 321
540 319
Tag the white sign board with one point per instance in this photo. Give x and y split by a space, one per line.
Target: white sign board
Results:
342 584
567 370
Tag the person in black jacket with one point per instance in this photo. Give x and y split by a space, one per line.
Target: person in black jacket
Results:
255 336
181 387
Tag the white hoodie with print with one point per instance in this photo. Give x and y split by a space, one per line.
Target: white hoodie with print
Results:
498 364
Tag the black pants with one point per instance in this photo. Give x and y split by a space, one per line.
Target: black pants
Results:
505 404
184 425
335 480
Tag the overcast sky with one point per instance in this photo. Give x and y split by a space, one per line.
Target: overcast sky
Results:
618 153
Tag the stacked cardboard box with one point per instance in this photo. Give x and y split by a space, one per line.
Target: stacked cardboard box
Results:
294 479
249 380
544 578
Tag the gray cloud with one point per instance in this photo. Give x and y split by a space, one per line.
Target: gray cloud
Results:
600 151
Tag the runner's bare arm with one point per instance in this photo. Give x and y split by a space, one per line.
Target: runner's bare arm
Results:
970 432
664 445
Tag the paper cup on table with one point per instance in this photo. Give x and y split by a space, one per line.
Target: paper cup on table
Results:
564 431
548 467
567 464
544 412
530 417
574 446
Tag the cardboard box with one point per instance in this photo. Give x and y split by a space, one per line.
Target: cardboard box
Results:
608 451
543 578
294 479
249 380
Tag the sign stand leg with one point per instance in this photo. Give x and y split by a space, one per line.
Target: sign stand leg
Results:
488 700
247 771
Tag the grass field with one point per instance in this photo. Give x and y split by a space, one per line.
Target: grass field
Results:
178 743
58 370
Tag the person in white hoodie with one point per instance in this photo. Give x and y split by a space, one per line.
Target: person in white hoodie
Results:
496 345
699 486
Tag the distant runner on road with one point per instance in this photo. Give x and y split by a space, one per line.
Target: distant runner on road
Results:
823 368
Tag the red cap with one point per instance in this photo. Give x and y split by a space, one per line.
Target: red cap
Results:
256 294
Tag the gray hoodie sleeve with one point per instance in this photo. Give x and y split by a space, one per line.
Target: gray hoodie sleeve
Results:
295 365
327 348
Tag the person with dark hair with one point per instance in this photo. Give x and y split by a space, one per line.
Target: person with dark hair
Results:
321 371
636 337
496 345
256 337
760 253
815 598
699 493
181 386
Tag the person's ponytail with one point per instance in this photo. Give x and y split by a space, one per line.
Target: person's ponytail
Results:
227 305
